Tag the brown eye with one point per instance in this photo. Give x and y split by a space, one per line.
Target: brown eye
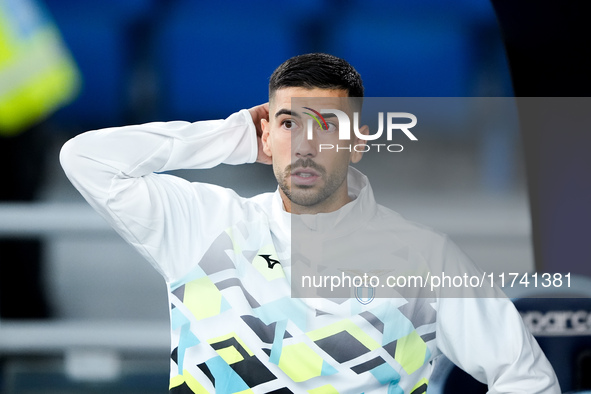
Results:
331 128
289 125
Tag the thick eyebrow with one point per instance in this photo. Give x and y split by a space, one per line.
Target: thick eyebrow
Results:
329 115
285 111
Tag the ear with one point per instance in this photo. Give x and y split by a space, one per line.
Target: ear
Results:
265 138
355 155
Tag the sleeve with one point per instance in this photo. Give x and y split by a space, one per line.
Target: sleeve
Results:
486 337
167 219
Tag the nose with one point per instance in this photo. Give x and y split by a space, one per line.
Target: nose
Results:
302 147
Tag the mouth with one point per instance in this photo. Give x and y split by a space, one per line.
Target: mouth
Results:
304 176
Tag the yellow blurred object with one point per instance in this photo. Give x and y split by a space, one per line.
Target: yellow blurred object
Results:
37 73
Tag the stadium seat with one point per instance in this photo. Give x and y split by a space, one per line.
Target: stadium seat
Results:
216 58
562 327
98 36
559 317
406 49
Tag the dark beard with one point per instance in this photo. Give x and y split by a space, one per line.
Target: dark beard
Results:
332 183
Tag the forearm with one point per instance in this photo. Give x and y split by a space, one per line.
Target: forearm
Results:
481 331
115 170
92 159
486 338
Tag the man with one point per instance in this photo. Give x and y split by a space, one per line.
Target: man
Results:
228 260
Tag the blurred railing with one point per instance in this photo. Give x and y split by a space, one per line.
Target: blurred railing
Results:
21 219
60 337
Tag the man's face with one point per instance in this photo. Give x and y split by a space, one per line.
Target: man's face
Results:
310 180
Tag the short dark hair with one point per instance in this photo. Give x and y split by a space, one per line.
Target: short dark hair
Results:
316 70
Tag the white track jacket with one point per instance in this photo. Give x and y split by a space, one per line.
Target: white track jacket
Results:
227 261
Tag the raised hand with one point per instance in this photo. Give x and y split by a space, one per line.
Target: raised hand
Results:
259 113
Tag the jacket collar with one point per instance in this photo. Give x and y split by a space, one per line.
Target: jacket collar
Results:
340 222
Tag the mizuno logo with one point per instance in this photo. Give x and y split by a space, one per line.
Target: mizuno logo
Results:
270 262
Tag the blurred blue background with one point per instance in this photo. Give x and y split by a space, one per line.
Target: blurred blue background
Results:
189 59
